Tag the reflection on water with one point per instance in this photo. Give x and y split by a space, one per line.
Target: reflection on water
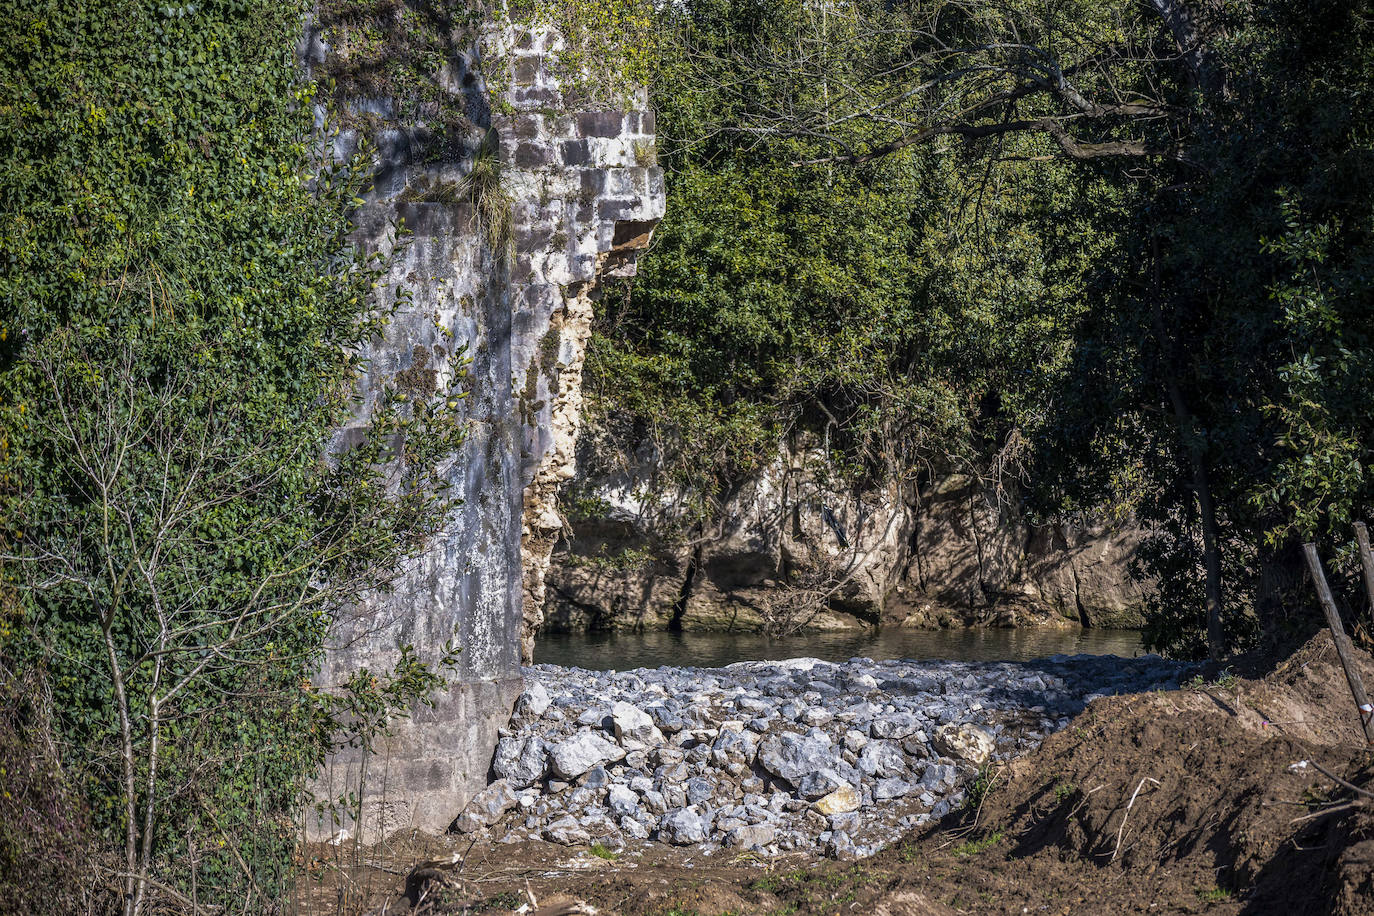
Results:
623 651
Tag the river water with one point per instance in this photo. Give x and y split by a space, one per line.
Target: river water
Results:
623 651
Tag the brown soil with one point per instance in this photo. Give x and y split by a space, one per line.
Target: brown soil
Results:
1182 802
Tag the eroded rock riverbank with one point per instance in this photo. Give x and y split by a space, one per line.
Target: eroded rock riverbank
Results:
778 756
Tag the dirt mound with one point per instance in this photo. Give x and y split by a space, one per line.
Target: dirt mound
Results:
1174 802
1240 796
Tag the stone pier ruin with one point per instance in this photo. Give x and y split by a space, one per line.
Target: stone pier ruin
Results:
584 193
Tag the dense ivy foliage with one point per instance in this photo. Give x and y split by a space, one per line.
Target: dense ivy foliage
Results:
1244 293
880 236
899 311
183 326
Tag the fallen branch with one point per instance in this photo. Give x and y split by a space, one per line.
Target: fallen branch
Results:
1349 785
1348 806
1343 647
158 885
1121 831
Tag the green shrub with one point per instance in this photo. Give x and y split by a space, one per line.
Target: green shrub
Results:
184 327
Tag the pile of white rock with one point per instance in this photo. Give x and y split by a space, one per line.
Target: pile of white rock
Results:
774 756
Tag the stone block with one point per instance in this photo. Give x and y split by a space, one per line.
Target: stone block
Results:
424 220
527 126
601 123
532 156
528 70
575 152
613 208
535 97
593 181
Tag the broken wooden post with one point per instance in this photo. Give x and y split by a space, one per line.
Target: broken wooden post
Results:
1366 563
1343 647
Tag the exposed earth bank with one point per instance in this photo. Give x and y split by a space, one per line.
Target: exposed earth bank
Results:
1219 798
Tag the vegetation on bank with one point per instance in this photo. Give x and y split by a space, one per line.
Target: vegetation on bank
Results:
186 322
184 326
1112 257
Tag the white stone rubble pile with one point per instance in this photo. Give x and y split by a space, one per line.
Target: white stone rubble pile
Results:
774 756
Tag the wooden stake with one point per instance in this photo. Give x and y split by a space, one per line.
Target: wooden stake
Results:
1366 563
1343 647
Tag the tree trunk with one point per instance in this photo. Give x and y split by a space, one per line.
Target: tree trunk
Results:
1202 491
1191 440
1182 22
132 886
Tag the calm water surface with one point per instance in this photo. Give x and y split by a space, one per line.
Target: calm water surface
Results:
623 651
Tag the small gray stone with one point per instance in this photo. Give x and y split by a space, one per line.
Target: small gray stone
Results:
888 789
676 773
733 746
917 745
841 846
859 683
882 759
655 802
623 802
633 727
938 777
568 831
897 725
819 784
727 824
576 755
848 822
666 755
752 705
699 790
682 827
667 721
791 756
752 836
521 762
675 795
602 829
596 717
534 702
486 807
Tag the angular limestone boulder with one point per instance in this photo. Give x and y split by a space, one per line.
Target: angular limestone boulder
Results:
841 801
633 727
571 758
965 742
486 807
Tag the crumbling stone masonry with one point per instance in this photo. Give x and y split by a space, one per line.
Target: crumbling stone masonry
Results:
584 195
